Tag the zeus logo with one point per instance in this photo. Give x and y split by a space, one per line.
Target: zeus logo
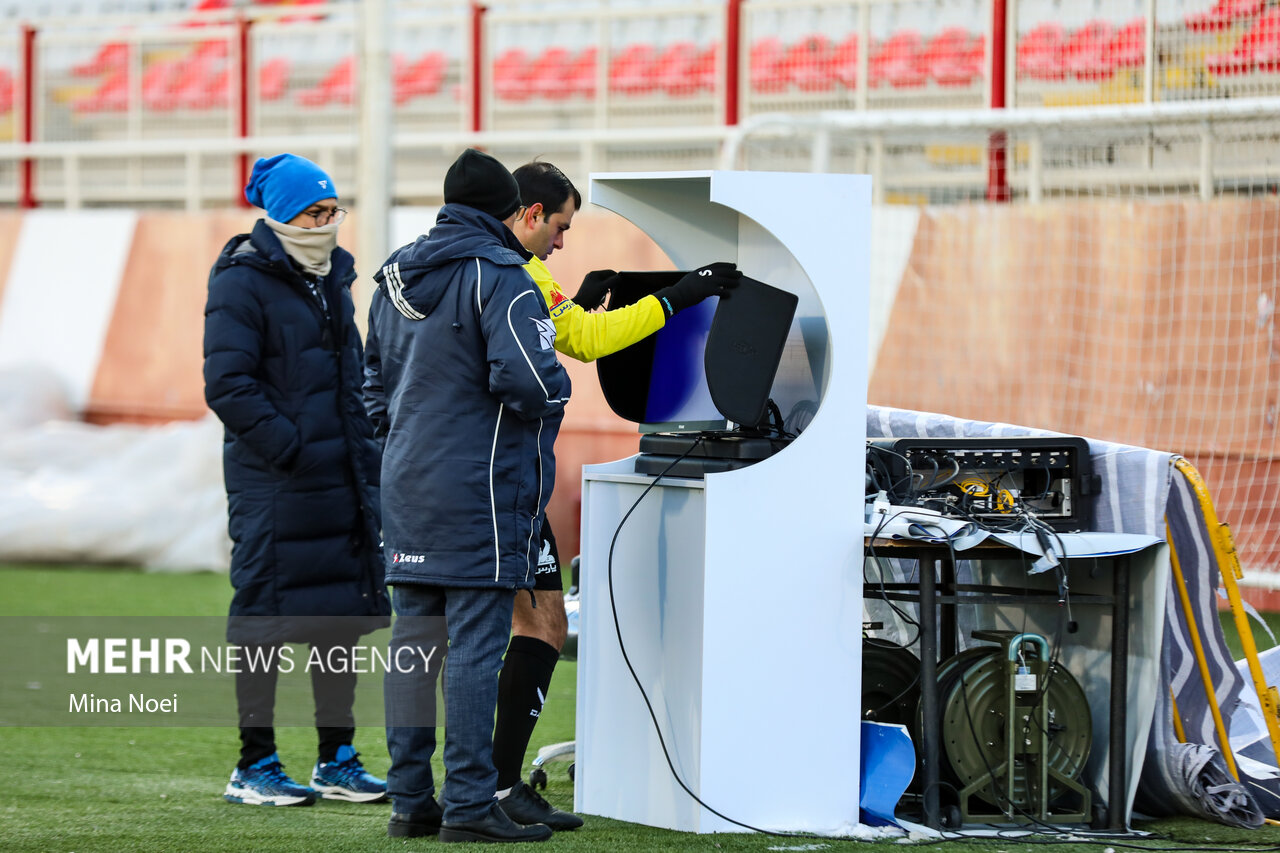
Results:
400 557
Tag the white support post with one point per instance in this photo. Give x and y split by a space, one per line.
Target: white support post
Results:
373 182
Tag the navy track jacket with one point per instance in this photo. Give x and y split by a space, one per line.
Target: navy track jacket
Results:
462 379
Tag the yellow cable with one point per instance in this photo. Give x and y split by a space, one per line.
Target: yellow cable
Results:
1201 661
1229 568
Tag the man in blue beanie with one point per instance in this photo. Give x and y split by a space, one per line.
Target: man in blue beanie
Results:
462 379
282 370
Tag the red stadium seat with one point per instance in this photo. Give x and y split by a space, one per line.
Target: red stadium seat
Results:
581 75
1222 15
807 64
273 78
896 60
962 67
420 78
1257 48
1040 52
338 86
112 95
1084 53
110 57
767 73
844 62
703 69
674 68
161 82
1128 46
549 75
511 72
213 91
8 91
631 71
946 52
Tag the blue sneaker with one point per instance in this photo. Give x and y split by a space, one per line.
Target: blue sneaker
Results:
264 783
345 778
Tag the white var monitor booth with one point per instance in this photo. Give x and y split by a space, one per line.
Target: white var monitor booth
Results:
737 598
720 633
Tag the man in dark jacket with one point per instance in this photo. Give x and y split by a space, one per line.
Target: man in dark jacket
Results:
462 378
282 370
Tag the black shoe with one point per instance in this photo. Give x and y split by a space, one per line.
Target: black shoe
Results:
494 827
525 805
415 824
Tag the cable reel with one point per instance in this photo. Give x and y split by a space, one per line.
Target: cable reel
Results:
1015 731
890 682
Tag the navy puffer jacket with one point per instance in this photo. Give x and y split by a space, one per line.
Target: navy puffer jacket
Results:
462 378
299 457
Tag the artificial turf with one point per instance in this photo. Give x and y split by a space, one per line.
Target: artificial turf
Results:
120 789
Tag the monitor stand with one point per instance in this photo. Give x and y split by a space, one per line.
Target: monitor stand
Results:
661 452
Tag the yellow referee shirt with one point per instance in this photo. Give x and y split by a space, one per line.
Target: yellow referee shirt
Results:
586 336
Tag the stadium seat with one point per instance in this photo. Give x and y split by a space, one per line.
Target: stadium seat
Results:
161 82
1040 52
1128 46
806 64
581 79
421 78
674 68
1083 53
844 62
1222 15
767 73
511 72
112 95
896 60
273 78
962 67
338 86
548 75
947 53
630 72
8 91
1257 48
110 57
212 91
703 69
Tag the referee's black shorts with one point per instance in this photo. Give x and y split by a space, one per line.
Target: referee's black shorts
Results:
547 573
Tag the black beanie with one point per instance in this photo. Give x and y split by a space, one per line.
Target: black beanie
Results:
478 180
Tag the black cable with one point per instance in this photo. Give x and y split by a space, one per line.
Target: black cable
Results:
636 678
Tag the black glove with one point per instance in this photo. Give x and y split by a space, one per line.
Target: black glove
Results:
595 286
711 280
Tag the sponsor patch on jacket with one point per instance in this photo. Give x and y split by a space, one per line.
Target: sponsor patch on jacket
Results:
546 560
546 332
557 296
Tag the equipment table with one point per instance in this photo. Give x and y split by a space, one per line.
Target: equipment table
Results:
937 594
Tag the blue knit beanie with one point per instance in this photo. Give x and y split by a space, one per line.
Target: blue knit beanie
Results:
286 184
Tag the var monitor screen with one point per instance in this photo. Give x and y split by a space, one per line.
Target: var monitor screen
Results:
711 364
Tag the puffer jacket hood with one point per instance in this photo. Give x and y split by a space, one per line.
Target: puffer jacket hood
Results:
460 232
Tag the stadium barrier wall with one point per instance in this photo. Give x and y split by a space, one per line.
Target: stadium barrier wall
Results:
1072 324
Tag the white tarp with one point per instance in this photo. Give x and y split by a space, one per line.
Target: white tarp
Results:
72 492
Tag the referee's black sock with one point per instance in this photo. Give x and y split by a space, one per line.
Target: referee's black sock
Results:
522 688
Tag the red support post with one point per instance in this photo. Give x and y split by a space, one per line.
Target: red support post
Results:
242 108
477 67
27 198
732 60
998 143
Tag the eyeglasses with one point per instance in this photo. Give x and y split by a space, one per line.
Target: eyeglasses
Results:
325 215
